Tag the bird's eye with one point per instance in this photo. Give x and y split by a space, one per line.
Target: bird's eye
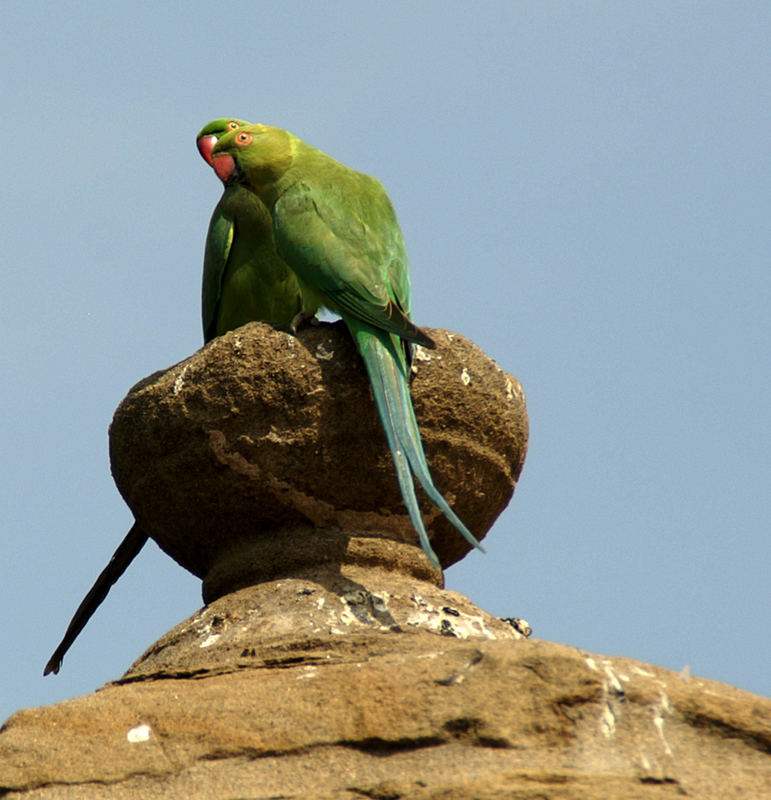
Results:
243 139
232 126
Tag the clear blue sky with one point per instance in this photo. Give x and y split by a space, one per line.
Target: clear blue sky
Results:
585 192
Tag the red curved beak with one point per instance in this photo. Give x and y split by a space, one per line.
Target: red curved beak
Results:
205 146
225 166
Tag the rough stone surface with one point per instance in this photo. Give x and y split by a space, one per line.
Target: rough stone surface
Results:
327 615
330 664
262 433
367 685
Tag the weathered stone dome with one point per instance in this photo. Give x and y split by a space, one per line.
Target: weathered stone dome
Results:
262 454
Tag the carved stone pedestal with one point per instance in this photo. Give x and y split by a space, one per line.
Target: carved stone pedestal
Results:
262 455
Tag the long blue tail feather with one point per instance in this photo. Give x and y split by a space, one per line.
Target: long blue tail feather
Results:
373 354
386 366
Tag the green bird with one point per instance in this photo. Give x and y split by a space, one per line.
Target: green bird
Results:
337 231
246 298
244 279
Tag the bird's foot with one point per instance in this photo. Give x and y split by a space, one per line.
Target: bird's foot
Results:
301 319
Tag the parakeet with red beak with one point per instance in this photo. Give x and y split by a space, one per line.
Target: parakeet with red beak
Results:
244 279
336 231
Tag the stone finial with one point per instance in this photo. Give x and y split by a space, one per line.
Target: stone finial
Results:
262 455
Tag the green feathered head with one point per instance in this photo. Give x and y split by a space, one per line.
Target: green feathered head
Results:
257 155
209 135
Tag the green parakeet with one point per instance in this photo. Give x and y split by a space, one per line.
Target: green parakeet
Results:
337 231
244 279
234 206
